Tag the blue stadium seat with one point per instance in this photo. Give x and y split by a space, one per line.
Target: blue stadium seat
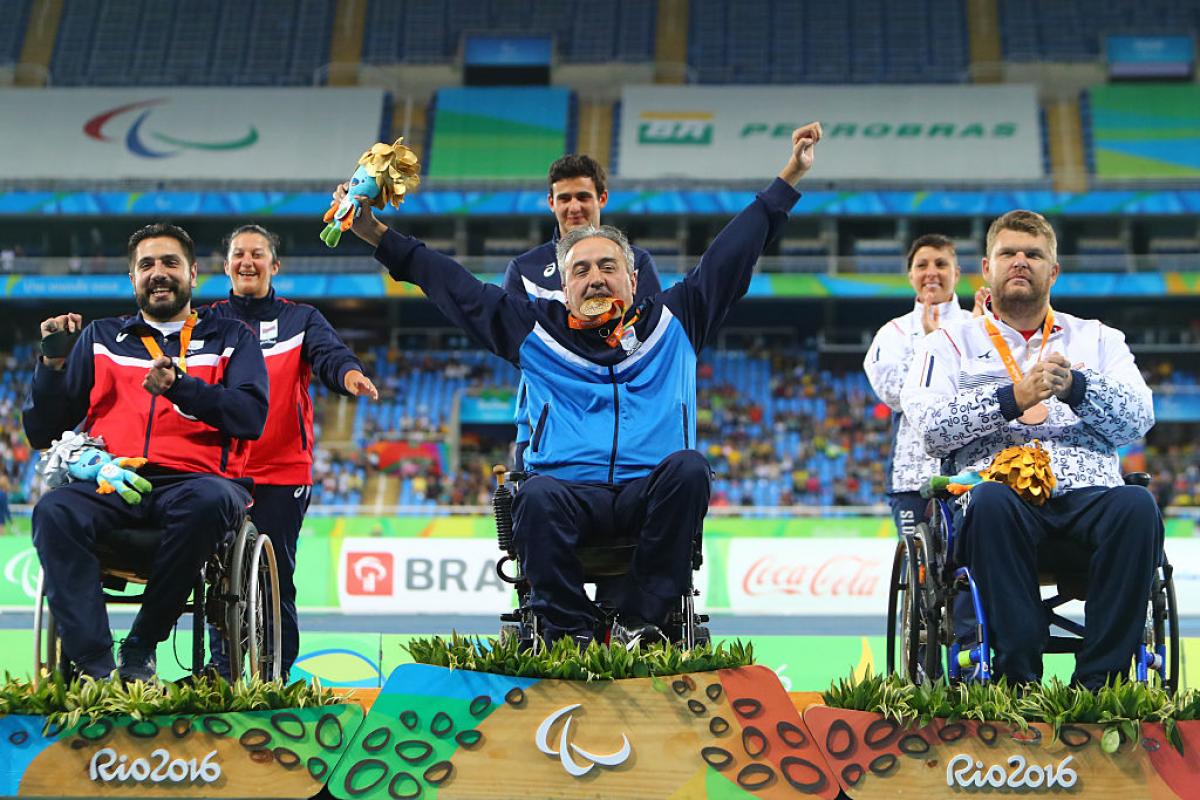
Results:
73 46
1075 30
192 42
15 13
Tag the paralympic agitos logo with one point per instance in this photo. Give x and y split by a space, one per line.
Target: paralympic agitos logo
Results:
143 140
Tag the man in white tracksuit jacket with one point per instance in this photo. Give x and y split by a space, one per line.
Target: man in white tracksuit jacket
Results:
1024 371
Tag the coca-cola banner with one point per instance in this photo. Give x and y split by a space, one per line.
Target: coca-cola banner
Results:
809 576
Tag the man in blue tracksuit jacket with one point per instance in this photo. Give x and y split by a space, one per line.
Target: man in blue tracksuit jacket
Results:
612 401
578 192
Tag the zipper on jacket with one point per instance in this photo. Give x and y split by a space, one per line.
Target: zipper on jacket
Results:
683 406
224 455
149 426
612 461
303 435
540 429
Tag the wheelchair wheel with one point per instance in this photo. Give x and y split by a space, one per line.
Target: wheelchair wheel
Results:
898 607
929 602
913 615
252 620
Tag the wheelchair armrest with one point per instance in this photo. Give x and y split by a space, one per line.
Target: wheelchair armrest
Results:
1137 478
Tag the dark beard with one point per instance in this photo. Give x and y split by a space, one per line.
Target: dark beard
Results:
162 312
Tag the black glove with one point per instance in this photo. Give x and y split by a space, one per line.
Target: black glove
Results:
58 344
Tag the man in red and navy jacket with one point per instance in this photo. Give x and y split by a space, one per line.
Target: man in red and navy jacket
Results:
296 340
188 394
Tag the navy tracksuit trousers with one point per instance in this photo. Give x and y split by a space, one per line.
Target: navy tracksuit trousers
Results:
908 509
195 511
999 535
663 511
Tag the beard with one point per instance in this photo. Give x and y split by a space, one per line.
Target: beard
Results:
1021 300
165 309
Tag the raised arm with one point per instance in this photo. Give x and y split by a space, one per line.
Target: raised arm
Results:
706 293
493 318
61 389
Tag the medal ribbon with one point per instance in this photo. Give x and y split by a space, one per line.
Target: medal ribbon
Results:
185 339
1002 348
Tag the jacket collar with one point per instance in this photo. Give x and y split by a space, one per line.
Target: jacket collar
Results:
138 322
259 308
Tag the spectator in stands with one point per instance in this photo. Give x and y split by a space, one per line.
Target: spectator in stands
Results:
933 273
186 392
1022 372
296 340
616 456
578 193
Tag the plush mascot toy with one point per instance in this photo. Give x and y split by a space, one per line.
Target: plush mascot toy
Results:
77 456
385 174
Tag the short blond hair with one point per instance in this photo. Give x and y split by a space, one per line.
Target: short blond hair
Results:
1023 221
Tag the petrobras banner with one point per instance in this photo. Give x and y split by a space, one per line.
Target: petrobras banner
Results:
809 576
218 134
944 133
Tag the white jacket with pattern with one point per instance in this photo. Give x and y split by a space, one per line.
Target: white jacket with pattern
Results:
959 396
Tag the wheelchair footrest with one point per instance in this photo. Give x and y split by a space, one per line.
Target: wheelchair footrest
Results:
511 616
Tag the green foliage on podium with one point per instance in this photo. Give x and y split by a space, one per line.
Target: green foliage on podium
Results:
566 661
65 702
1119 706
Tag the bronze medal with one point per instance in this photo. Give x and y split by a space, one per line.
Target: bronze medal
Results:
595 306
1035 415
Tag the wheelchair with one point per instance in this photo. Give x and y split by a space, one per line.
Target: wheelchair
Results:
925 581
685 627
237 590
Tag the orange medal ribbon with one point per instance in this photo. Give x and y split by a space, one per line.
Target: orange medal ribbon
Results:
185 339
1037 414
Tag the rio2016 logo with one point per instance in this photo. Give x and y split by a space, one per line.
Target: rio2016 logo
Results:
107 766
965 772
136 137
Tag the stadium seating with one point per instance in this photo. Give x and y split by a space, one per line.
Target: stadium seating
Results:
1074 30
430 31
862 41
15 14
192 43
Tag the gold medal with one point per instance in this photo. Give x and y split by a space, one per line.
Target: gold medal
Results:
595 306
1035 415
